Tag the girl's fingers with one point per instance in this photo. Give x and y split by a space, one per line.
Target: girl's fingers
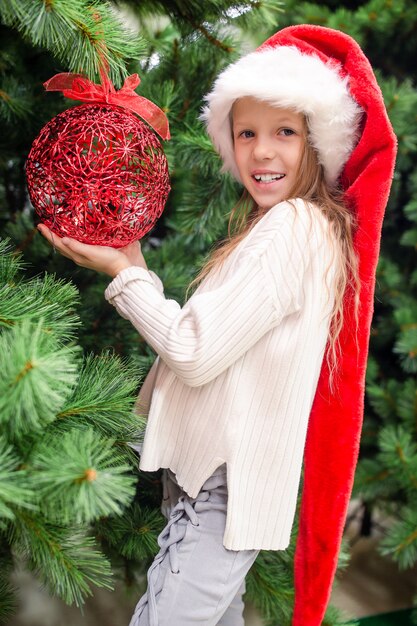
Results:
77 247
63 245
100 258
53 239
49 235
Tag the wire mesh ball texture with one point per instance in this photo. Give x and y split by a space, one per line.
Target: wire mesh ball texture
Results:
98 174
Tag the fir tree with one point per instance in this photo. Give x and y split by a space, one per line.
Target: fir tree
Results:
65 423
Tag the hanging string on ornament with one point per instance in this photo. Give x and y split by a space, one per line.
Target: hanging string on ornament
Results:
96 172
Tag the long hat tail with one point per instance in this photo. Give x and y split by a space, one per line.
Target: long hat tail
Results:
335 424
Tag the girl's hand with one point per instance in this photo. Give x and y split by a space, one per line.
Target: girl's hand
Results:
111 261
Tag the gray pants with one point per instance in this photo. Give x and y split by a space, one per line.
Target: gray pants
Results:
194 579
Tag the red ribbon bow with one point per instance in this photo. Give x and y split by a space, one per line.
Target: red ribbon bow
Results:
77 87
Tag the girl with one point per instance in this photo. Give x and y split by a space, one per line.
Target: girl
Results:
269 342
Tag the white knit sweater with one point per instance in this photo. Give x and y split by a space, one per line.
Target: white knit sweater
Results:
238 369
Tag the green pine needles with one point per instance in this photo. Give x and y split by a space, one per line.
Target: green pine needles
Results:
66 422
104 398
80 477
15 488
134 535
65 559
82 34
36 368
7 599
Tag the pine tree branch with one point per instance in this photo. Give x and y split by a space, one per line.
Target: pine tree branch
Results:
82 34
15 489
134 534
64 558
211 38
104 398
8 600
15 102
48 299
80 477
35 367
401 541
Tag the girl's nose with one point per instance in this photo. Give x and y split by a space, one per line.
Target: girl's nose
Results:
263 150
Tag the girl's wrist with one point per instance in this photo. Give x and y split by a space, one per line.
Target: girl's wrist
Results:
124 265
114 271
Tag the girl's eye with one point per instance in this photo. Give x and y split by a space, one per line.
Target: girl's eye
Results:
287 132
246 134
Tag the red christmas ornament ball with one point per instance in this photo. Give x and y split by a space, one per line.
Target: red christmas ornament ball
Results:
98 174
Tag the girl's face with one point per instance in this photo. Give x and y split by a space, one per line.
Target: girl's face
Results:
268 145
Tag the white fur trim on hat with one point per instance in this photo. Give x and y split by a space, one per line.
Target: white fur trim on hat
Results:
286 77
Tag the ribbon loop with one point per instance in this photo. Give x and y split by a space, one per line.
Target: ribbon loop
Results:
78 87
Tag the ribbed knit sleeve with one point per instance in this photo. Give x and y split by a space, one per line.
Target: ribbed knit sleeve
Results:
216 327
157 281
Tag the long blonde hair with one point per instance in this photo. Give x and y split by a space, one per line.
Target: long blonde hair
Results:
311 186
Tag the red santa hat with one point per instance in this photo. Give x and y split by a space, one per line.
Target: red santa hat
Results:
324 74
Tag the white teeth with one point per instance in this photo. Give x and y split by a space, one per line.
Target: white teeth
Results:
267 178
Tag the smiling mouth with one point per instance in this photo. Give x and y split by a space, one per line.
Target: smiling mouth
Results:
267 178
